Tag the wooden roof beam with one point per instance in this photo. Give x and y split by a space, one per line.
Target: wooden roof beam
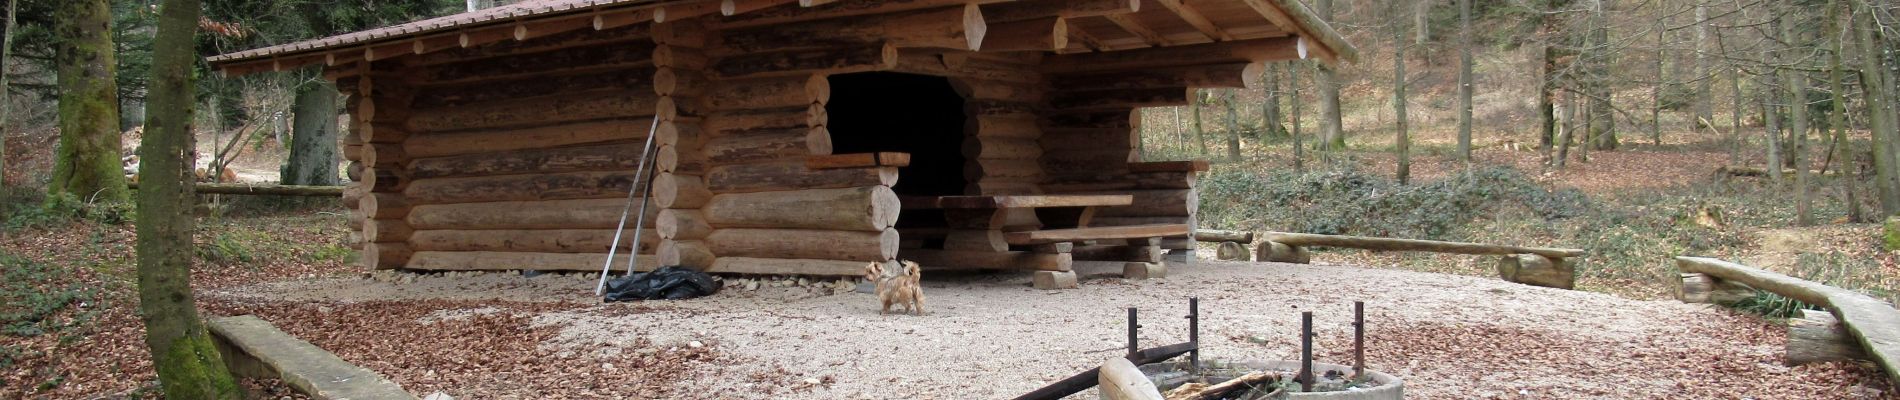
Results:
1034 9
544 28
957 27
1135 27
830 10
681 12
1251 50
1088 41
1045 34
431 44
1195 19
735 7
1285 22
613 20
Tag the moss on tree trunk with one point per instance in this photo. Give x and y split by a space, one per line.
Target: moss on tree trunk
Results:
1891 236
189 366
87 162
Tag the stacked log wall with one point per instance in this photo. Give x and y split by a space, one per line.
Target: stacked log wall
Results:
516 155
749 202
1000 93
1092 145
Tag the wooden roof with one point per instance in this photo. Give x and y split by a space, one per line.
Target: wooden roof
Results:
1105 26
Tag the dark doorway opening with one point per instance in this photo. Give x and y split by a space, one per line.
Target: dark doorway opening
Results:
917 114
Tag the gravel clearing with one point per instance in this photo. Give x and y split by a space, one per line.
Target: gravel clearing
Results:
992 336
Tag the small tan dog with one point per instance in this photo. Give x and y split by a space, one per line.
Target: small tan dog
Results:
903 288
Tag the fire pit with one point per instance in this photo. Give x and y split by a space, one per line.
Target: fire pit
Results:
1331 381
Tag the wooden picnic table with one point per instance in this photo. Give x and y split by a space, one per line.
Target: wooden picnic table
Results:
981 230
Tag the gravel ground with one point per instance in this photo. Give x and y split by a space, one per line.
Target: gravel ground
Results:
992 336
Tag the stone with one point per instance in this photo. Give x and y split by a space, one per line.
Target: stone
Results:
1051 280
695 344
1142 270
438 396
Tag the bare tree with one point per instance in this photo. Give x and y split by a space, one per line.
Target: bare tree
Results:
1293 83
87 163
1402 143
1797 84
1332 134
1464 80
1880 114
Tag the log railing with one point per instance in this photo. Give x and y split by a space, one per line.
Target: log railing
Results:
1872 323
262 189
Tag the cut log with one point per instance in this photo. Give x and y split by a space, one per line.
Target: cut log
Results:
1121 380
1053 280
784 92
1156 203
805 243
678 82
1020 260
1231 251
386 230
866 208
987 89
1272 251
1226 75
262 189
508 261
530 87
975 240
598 56
1211 235
1816 337
604 157
1390 244
1142 270
1121 182
383 205
686 253
531 241
740 121
1536 270
555 214
1702 288
1871 322
835 60
1120 99
625 102
680 191
1096 233
783 266
858 160
684 135
1041 34
1001 148
958 27
784 176
522 187
763 146
508 140
683 224
388 255
1237 51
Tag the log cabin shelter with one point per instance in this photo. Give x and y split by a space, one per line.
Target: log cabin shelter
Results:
799 137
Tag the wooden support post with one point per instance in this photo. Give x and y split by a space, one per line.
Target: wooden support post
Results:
1052 280
1144 270
1272 251
1702 288
1536 270
1816 336
1231 251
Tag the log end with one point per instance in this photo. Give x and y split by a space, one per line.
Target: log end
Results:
1536 270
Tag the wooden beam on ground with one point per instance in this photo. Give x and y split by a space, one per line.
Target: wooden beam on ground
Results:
1211 235
1195 19
1874 323
254 348
1392 244
1096 233
262 189
1252 50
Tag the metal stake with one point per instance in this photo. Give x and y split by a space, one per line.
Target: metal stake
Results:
1358 338
608 265
1306 351
1194 334
1134 346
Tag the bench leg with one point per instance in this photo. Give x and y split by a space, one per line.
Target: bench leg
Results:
1180 256
1051 280
1280 252
1144 270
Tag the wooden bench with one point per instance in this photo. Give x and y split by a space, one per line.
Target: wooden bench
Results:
253 348
1869 323
1005 232
1540 266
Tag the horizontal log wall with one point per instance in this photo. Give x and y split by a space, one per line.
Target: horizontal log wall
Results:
515 155
1001 94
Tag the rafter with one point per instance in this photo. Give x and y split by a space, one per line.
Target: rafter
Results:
1079 35
1194 18
1132 26
1279 18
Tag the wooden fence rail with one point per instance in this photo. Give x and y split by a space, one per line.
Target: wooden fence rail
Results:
1872 322
263 189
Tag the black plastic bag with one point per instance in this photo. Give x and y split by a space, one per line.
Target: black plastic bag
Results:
667 283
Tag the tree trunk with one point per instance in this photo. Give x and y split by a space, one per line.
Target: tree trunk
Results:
1332 133
1421 22
1546 106
1402 144
1233 125
1880 118
1293 82
87 163
1798 112
1464 80
1200 135
1602 129
1272 124
1735 138
1837 114
188 364
6 105
313 153
1656 90
1772 128
1704 106
1564 136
